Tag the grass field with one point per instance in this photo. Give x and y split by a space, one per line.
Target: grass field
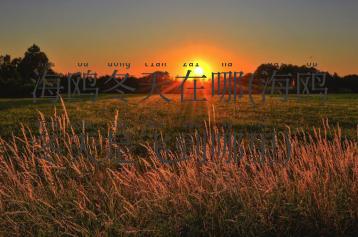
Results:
136 116
66 173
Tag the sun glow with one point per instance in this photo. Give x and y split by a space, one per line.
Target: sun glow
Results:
200 68
199 71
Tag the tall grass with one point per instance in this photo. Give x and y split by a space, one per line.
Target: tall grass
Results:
61 181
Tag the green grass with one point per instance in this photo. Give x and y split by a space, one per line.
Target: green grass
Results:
138 117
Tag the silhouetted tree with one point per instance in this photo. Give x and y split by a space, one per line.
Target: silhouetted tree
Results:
10 79
34 59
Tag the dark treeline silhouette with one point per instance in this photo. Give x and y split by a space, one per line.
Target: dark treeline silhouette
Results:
18 76
334 83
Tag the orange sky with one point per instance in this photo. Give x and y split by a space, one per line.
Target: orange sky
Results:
244 32
209 57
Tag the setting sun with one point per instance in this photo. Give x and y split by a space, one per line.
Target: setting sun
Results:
198 68
198 71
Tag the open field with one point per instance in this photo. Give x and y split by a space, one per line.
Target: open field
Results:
61 176
305 112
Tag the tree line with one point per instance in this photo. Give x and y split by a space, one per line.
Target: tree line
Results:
18 75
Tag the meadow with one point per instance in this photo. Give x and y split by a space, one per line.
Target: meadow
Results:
135 116
64 170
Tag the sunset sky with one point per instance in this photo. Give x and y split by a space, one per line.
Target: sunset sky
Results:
244 32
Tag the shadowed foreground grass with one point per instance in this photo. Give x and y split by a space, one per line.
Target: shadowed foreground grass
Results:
63 182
